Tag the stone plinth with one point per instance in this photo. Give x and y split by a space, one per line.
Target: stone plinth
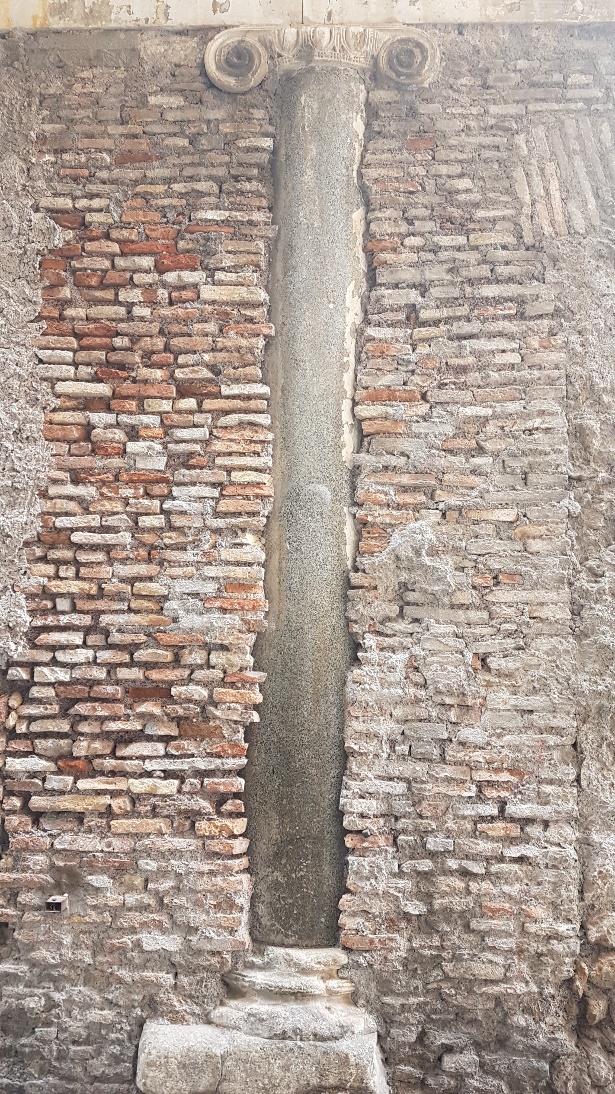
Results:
288 1025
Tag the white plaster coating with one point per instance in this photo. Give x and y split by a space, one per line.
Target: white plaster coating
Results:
143 13
24 236
66 14
353 318
407 12
354 312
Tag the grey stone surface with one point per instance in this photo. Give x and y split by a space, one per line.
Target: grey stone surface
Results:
24 234
289 1030
297 752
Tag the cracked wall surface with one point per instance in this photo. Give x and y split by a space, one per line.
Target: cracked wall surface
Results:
478 793
582 276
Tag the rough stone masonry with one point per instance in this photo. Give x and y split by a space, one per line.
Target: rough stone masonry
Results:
135 226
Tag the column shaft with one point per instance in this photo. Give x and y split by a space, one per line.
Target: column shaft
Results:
296 755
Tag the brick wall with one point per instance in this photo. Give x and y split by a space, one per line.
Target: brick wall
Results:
464 781
480 599
126 714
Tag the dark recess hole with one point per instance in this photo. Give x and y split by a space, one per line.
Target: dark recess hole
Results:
6 938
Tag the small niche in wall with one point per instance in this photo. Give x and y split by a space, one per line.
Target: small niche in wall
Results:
57 903
6 937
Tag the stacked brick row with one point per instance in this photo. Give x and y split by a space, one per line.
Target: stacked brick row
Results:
461 788
125 716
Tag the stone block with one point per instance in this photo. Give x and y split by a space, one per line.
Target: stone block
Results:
205 1059
288 1026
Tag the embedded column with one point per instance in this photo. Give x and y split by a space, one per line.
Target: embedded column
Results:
289 1023
297 754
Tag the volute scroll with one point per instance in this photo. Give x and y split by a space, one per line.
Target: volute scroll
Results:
239 59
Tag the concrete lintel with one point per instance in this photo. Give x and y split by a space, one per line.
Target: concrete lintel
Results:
146 14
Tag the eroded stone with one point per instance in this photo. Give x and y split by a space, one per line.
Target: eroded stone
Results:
290 1032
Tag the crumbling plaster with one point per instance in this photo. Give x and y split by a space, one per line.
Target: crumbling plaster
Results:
23 236
582 278
67 14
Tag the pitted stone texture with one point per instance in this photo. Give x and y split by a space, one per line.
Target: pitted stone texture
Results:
293 1028
296 753
208 1060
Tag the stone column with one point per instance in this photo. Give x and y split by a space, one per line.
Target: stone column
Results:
296 758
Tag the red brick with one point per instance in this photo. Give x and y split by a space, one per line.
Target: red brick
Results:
169 262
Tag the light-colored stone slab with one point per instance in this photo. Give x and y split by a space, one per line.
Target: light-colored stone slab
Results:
206 1059
403 12
64 14
147 13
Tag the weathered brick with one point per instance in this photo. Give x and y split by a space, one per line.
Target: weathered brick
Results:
69 803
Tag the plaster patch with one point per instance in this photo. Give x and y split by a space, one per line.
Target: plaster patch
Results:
24 234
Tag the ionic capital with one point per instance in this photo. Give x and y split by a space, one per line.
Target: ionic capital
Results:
239 59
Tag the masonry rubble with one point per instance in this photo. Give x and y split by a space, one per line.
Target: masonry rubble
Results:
478 795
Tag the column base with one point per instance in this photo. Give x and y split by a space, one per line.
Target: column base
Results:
288 1025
